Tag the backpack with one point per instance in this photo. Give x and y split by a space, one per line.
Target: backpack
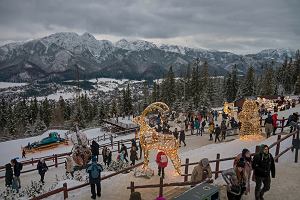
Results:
95 171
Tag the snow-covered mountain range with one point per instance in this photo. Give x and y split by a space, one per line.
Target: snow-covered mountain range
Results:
56 56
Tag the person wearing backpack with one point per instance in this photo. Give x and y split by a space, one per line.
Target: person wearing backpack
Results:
17 171
94 170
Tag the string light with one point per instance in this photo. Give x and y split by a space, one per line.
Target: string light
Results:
249 117
227 110
150 139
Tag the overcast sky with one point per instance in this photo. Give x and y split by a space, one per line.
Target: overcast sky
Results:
239 26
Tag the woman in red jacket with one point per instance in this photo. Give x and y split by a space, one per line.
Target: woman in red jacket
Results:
274 122
162 162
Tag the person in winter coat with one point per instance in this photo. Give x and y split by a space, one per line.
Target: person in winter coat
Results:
223 130
175 133
202 171
274 122
42 168
211 129
268 125
202 127
293 118
124 148
9 175
104 155
182 138
95 149
162 162
135 196
236 181
17 171
23 153
192 125
263 164
246 155
69 166
94 170
197 126
217 132
108 156
133 155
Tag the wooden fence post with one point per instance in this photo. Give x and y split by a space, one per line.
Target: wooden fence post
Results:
118 146
161 182
277 147
65 186
32 161
217 166
132 187
55 159
186 169
297 149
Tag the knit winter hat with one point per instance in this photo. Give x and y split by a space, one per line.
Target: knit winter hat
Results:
204 162
244 152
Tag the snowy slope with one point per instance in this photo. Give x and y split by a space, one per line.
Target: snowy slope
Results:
9 84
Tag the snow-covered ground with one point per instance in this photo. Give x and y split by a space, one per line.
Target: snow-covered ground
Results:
57 95
198 147
9 84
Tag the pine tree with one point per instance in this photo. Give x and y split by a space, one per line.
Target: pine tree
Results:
145 94
232 85
268 82
34 109
11 120
248 87
155 93
297 86
3 114
45 112
113 108
168 91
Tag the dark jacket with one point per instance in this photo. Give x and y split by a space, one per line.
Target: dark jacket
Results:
269 120
217 130
175 133
42 167
17 168
182 135
95 148
8 175
263 166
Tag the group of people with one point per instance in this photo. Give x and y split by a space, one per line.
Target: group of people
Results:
12 174
238 177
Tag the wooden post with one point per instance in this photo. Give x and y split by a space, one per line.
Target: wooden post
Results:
282 124
118 146
65 190
297 149
98 139
277 147
132 187
217 166
161 182
186 170
32 161
55 159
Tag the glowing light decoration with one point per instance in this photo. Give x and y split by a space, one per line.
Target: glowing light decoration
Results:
152 140
249 117
228 108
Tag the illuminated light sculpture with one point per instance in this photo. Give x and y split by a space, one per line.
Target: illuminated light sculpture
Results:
81 152
150 139
249 117
228 108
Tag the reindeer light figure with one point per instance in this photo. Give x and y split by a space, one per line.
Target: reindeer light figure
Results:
150 139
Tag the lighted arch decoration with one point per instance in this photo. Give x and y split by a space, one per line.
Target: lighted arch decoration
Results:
150 139
249 117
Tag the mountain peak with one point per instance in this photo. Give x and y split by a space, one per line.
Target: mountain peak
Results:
136 45
87 36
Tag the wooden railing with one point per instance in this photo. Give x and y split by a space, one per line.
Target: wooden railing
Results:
65 189
217 171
